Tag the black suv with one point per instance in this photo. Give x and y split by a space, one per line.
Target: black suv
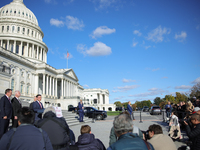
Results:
91 112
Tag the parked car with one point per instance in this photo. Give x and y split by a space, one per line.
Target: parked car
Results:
91 112
73 109
145 108
155 110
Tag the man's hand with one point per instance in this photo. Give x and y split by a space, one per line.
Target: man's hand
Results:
15 117
185 123
5 117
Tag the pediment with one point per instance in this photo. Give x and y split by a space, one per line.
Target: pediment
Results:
71 74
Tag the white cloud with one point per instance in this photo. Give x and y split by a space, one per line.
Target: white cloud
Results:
102 30
85 86
155 69
156 35
102 4
183 87
128 80
146 47
153 89
74 23
197 80
99 49
134 43
164 77
56 22
50 1
181 37
118 98
137 32
152 93
126 88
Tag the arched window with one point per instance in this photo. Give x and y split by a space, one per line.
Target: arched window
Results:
27 91
2 28
18 29
13 28
28 32
15 12
7 28
23 31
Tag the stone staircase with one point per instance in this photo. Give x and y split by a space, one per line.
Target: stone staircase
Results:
70 117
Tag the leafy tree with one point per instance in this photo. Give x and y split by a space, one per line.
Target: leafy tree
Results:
157 100
162 104
181 97
195 90
125 104
170 98
118 104
139 104
134 106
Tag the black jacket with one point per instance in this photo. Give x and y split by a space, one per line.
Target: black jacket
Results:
87 141
57 129
16 105
5 108
194 135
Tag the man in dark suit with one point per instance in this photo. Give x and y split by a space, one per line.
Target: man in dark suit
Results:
16 105
5 112
38 107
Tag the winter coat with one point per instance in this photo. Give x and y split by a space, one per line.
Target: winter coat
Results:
194 135
27 137
162 142
57 129
87 141
130 141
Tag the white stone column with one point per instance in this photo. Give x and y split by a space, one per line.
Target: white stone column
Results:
27 50
43 90
36 83
56 94
61 88
37 52
64 89
50 85
47 85
8 46
1 43
20 49
53 87
33 51
14 48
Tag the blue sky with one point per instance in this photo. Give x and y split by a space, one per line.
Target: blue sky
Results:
137 49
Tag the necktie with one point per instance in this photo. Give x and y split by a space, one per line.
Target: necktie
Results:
40 105
9 100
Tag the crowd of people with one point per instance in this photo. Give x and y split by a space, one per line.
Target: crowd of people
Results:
33 130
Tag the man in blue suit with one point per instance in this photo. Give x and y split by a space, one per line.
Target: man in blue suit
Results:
130 110
5 112
81 111
38 107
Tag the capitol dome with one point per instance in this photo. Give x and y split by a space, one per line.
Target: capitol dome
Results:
17 9
20 33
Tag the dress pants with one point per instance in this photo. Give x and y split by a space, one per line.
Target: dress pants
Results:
14 123
4 123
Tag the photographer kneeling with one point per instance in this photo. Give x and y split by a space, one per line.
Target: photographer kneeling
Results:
159 140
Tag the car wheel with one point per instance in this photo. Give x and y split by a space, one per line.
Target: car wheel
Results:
99 117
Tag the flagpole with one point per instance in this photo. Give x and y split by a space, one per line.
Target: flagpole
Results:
67 60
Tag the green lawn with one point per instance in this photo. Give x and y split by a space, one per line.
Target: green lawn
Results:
113 113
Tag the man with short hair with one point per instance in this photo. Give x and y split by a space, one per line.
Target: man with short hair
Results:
16 105
38 107
26 136
87 141
159 140
123 126
5 112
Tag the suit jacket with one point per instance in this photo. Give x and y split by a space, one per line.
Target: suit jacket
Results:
16 105
5 108
37 109
129 109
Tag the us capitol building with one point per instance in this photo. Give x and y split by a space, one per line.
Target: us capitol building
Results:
23 64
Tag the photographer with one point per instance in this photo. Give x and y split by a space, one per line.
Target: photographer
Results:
159 140
194 134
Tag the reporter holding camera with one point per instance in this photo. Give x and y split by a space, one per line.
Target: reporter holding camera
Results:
194 134
159 140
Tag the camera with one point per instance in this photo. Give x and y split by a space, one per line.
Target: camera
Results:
146 134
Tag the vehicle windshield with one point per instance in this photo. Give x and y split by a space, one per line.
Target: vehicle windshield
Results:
156 107
93 108
146 107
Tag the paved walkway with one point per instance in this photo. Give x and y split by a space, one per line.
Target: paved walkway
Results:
101 129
